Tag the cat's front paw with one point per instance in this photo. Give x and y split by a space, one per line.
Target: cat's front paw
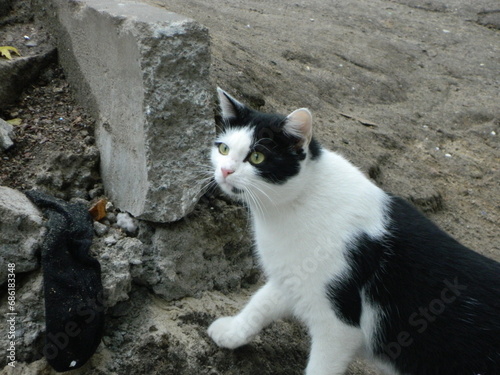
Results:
228 333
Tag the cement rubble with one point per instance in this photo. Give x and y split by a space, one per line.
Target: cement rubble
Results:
144 73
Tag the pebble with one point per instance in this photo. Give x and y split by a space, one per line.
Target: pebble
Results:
96 192
100 229
110 240
111 217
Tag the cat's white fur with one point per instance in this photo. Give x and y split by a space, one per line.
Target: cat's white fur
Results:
302 229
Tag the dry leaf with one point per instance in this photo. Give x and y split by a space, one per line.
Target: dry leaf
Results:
6 52
15 121
98 210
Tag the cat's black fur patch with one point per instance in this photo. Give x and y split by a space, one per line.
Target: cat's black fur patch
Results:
436 297
283 157
345 293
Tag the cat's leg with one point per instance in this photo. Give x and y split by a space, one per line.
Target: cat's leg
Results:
265 306
334 345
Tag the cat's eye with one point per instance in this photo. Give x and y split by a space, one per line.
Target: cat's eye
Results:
223 149
256 157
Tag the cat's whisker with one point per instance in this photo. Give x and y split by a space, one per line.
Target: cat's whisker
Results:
248 185
205 176
209 185
248 202
258 143
254 203
251 201
261 206
203 173
266 195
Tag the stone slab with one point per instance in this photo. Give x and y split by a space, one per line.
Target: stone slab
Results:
144 74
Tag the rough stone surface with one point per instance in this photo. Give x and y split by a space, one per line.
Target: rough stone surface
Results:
73 173
18 73
21 231
117 261
144 73
6 135
201 252
182 259
30 319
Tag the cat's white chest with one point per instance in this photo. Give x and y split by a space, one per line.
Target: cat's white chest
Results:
299 257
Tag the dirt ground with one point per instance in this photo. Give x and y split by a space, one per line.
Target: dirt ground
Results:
52 123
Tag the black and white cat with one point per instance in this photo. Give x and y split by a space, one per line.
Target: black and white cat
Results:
362 269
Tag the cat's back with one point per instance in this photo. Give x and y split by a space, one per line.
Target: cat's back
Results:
440 301
415 242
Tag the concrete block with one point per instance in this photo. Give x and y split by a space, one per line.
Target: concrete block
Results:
144 74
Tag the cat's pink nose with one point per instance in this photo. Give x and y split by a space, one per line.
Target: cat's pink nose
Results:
226 172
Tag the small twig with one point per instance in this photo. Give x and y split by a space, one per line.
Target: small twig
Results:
360 120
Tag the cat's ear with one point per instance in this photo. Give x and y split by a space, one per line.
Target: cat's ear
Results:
229 106
299 124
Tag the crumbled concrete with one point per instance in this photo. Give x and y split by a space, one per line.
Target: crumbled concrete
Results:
202 252
117 264
67 174
143 71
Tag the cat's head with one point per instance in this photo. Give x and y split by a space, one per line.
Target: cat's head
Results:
259 158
